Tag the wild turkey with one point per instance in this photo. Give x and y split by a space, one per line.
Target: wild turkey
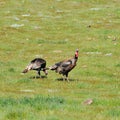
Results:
37 64
64 67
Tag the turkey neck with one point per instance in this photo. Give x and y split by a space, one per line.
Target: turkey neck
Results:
74 60
76 57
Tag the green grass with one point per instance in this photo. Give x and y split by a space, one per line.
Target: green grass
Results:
53 29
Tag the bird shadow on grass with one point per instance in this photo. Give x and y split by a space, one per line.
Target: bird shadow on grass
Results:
71 80
38 77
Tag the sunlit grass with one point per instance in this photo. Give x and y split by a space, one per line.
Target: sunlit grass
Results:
53 30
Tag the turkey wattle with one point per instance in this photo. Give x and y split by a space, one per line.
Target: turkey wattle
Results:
64 67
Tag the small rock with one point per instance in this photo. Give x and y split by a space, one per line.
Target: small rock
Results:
26 15
88 102
84 66
57 51
95 9
92 53
17 25
59 11
16 18
108 54
58 0
27 90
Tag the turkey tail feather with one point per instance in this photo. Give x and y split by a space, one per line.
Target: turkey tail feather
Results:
27 68
53 67
43 69
25 71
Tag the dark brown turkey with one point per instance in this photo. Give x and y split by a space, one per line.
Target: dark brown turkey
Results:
64 67
37 64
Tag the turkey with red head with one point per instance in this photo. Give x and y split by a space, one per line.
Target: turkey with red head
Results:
37 64
64 67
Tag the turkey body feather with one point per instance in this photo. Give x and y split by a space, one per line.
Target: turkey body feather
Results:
37 64
64 67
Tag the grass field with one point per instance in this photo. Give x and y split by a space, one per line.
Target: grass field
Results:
53 29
